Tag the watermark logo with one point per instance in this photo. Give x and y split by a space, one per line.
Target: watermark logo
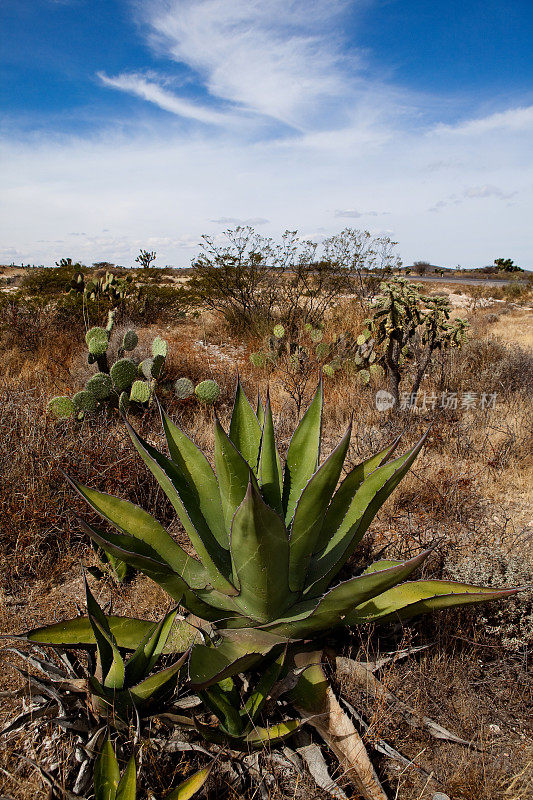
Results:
429 401
384 400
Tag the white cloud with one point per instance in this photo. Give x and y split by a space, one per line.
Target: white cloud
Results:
351 213
473 193
513 119
278 58
236 221
149 90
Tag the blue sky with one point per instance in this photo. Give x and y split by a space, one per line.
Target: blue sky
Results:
134 124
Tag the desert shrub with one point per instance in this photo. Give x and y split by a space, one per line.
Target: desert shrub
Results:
50 282
490 365
254 282
511 623
163 304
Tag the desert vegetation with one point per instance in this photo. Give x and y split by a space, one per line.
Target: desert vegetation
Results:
263 526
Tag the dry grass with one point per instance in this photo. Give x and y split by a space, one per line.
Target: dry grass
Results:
469 488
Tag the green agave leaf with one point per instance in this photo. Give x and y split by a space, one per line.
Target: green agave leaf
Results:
204 603
274 733
270 674
110 659
146 689
114 673
303 455
310 512
134 521
150 649
244 429
238 651
191 786
197 473
366 502
344 495
260 555
420 597
225 706
333 608
127 787
269 473
106 773
260 412
233 474
213 556
127 632
140 556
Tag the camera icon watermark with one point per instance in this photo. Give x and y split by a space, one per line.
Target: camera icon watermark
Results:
384 400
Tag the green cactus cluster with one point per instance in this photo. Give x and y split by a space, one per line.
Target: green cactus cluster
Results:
206 392
126 383
307 349
408 328
110 287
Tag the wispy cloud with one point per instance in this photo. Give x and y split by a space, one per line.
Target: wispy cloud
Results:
471 193
513 119
278 58
351 213
140 86
236 221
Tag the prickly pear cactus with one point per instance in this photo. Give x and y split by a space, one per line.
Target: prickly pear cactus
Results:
61 407
123 373
97 341
140 392
207 392
279 331
159 347
183 388
145 367
85 401
130 340
100 386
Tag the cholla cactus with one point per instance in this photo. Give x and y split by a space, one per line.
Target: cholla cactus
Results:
183 388
207 392
409 327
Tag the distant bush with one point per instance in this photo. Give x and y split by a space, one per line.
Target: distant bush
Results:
164 304
50 282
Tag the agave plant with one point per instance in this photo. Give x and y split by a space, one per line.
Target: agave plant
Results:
270 542
109 784
238 711
115 684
